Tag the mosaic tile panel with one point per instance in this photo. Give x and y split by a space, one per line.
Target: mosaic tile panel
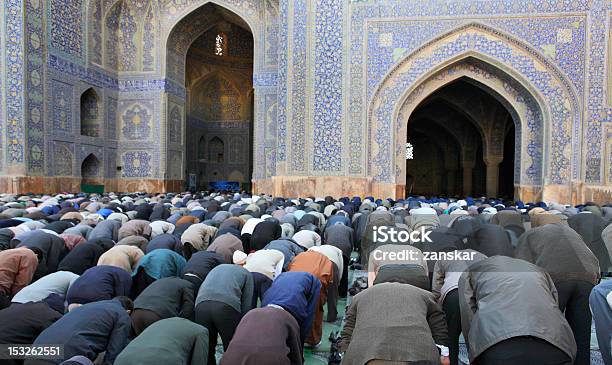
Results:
95 40
298 88
2 117
281 153
136 122
35 128
111 118
150 26
13 87
66 27
596 111
175 125
328 107
63 159
136 164
111 163
62 102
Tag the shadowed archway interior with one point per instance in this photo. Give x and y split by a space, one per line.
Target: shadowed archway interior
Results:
218 81
451 133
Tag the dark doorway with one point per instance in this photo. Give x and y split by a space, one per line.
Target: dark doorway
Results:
447 131
219 83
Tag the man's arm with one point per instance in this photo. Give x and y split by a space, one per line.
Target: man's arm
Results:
24 276
118 338
349 325
467 304
199 353
123 284
247 294
438 279
187 302
437 323
332 295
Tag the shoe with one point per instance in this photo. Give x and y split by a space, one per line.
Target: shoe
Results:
313 347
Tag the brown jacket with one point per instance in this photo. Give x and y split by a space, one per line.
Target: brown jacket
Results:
136 227
187 219
225 245
376 329
199 236
17 268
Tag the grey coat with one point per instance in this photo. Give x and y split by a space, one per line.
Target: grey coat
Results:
501 298
106 229
376 329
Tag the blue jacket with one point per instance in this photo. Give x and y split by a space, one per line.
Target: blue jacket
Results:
99 283
161 263
89 330
298 294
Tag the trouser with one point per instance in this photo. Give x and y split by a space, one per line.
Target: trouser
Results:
524 350
574 302
602 314
343 286
140 282
316 331
143 318
218 318
453 322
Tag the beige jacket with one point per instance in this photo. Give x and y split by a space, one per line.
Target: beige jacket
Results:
125 257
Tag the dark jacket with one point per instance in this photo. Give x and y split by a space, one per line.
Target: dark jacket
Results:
261 284
99 283
53 249
264 233
160 213
81 258
6 235
167 241
560 251
375 219
89 330
590 226
169 341
22 323
202 262
59 226
167 297
341 236
490 240
526 296
143 211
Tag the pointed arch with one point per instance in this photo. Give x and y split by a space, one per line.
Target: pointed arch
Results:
518 66
91 167
91 124
216 150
